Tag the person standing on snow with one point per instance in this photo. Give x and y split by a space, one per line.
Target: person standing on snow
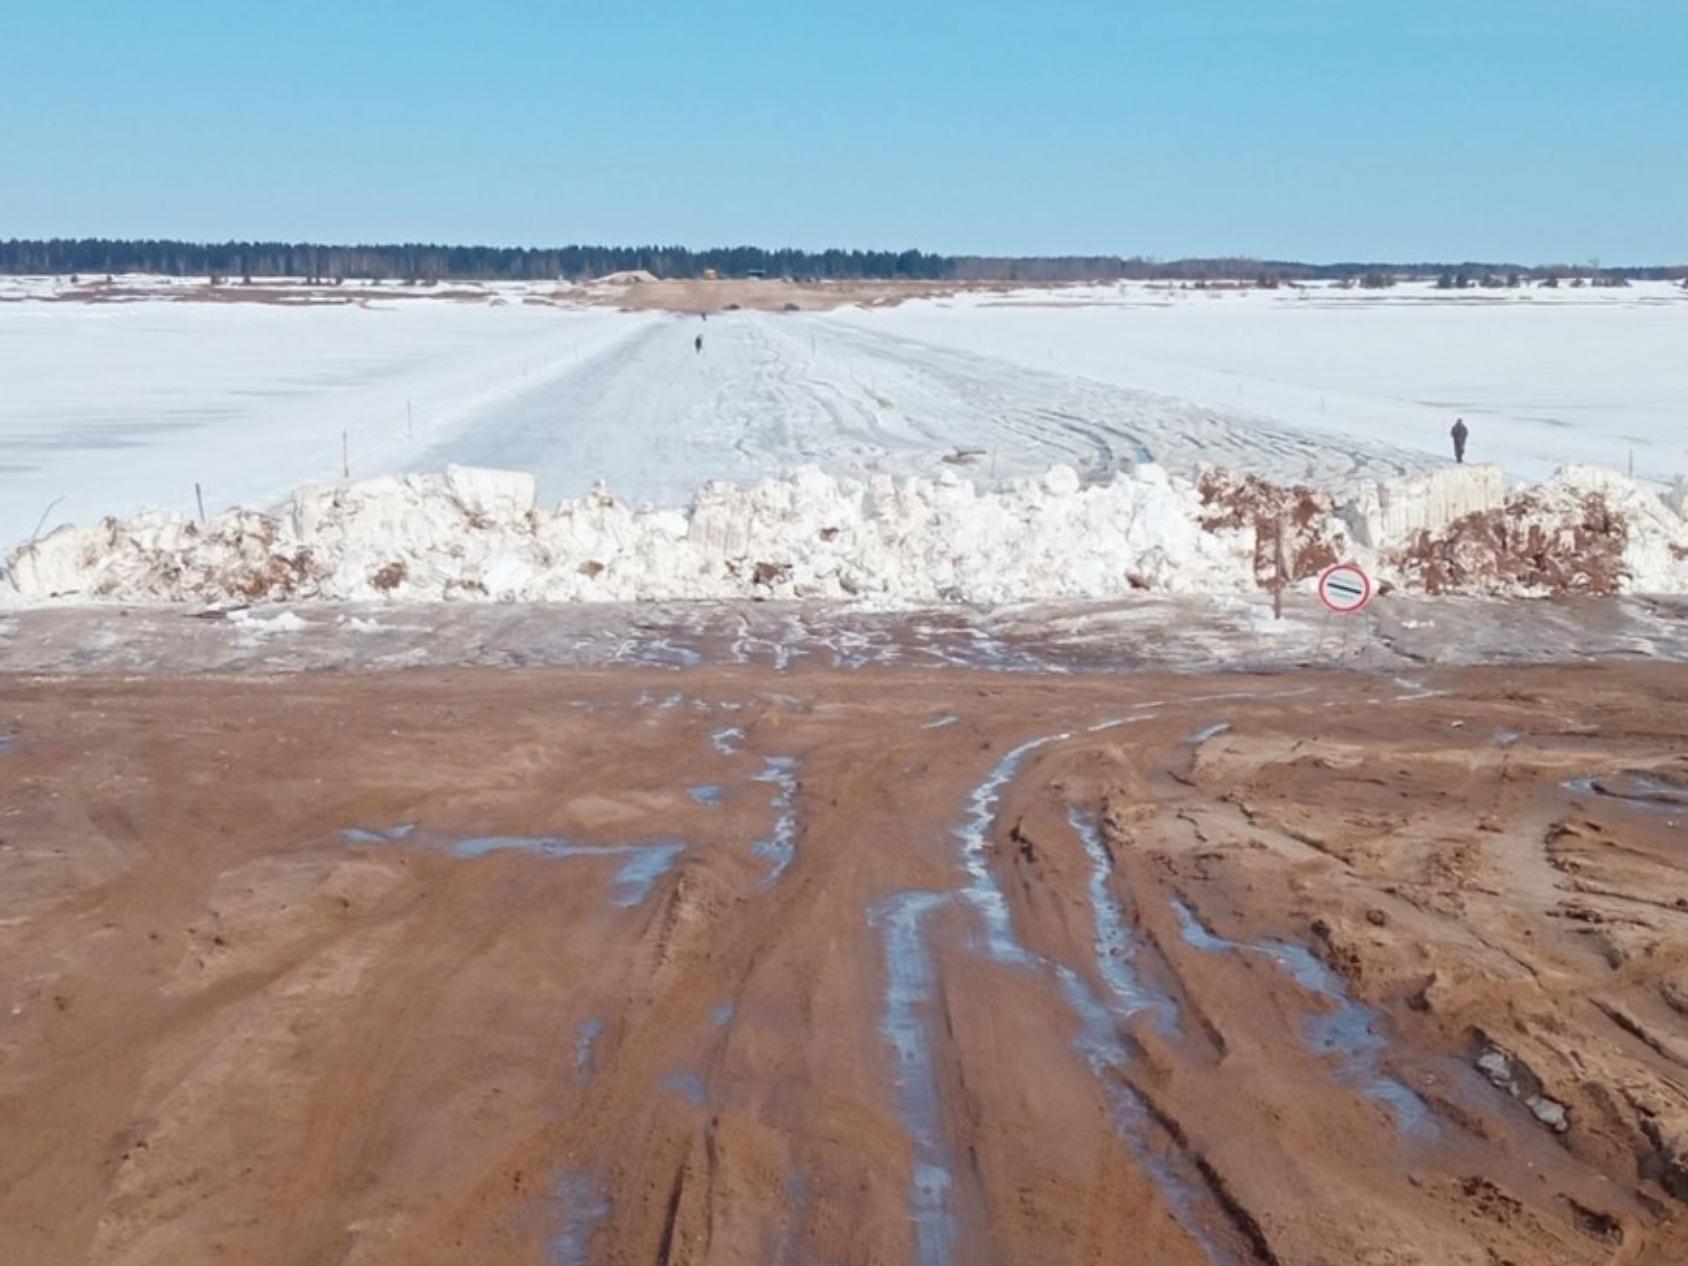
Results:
698 342
1459 433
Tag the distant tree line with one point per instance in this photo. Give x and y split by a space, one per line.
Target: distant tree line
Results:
427 263
417 262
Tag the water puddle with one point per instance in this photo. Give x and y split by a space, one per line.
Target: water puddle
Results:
910 990
1347 1031
642 867
661 652
1111 724
779 651
726 740
1637 790
1174 1174
853 649
380 835
689 1085
982 891
705 793
1117 945
788 1250
723 1014
1212 731
585 1038
582 1208
937 723
1415 690
1506 738
972 647
780 847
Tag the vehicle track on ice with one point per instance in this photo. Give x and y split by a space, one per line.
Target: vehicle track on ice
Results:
772 392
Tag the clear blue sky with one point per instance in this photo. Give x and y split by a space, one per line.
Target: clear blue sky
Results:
1528 130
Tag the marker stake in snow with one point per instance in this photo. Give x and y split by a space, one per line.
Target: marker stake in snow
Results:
1345 589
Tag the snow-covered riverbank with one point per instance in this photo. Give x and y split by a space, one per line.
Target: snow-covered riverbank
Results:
479 535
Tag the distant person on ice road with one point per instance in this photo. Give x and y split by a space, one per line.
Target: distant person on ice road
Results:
698 342
1459 433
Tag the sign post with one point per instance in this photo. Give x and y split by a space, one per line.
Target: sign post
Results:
1344 589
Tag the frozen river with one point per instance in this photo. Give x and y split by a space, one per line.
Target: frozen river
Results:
110 408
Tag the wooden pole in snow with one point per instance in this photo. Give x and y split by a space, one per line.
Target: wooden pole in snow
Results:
42 521
1280 572
199 497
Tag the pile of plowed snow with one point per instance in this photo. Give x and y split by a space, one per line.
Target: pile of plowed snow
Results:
476 534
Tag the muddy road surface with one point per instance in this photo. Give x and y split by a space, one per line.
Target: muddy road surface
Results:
928 966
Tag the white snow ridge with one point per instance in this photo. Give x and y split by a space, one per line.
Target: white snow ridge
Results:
475 534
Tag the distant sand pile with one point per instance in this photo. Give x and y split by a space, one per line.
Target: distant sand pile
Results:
626 277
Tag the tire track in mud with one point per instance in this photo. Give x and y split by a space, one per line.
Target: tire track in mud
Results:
1337 1032
1191 1189
965 1026
1197 1199
1346 1030
582 1196
695 1095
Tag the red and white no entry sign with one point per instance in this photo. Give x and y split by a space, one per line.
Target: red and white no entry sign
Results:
1344 588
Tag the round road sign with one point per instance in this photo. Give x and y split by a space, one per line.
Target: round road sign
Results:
1344 588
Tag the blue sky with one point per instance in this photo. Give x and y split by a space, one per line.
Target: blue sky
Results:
1528 130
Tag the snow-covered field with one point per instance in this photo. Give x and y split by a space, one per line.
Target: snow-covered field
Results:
1543 377
109 408
1049 445
112 408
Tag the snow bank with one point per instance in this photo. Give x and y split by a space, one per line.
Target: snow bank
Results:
1428 502
1586 530
1677 498
474 534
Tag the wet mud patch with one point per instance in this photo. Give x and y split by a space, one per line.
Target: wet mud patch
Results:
640 866
907 1027
1342 1029
964 1024
779 847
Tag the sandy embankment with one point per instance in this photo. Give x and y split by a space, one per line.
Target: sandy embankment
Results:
632 291
773 294
896 965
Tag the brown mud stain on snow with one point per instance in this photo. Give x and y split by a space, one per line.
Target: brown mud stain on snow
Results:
1523 547
1300 517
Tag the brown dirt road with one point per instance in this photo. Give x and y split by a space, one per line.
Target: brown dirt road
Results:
893 966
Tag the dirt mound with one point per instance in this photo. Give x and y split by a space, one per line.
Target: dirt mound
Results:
1533 544
1295 522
